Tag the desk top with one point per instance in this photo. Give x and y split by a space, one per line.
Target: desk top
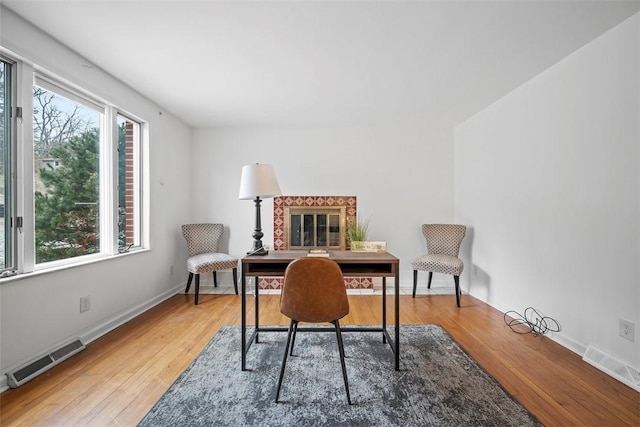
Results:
338 256
351 263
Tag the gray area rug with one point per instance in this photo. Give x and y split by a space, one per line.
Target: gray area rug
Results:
438 384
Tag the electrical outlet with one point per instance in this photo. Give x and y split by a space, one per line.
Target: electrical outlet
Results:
627 330
85 304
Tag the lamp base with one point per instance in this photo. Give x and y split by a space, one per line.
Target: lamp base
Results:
260 251
258 247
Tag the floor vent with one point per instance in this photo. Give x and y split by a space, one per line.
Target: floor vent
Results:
34 368
613 367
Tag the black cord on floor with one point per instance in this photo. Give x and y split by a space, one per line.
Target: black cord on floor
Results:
532 322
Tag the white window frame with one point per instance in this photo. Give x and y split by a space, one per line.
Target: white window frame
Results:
10 202
137 179
106 246
26 76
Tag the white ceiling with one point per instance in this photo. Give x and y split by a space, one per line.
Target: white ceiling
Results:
323 63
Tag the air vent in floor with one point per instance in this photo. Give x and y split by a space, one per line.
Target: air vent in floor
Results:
618 370
34 368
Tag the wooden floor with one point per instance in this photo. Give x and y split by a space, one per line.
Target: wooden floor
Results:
117 379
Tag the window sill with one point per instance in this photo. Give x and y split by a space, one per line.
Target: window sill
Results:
21 276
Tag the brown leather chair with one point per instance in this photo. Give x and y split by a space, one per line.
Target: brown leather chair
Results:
313 292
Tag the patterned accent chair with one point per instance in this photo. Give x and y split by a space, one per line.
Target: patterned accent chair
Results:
313 292
203 241
443 247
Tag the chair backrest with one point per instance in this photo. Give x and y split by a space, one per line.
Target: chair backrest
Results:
314 291
202 238
444 239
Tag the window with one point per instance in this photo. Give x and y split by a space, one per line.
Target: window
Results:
71 173
6 143
66 148
129 135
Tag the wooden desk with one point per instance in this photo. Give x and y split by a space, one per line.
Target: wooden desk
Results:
352 264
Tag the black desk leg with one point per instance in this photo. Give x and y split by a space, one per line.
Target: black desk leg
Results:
384 309
243 316
397 317
257 307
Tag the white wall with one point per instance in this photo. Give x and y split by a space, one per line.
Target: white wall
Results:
41 311
548 179
401 173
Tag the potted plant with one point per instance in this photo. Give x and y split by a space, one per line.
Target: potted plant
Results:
357 233
357 238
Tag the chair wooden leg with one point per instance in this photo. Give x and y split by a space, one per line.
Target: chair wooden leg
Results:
456 280
235 279
292 326
415 282
197 287
215 280
189 282
429 281
336 323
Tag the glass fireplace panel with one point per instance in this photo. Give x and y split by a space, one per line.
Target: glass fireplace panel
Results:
308 230
334 230
296 231
321 230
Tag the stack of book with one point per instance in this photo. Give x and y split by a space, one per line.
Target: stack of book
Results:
318 253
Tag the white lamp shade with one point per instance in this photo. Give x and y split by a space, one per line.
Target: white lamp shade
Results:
258 180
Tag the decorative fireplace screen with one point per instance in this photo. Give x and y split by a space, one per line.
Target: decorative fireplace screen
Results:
315 216
307 227
305 222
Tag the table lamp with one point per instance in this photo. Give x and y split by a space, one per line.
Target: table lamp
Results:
258 181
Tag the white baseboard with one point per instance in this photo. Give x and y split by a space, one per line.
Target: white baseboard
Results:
108 325
120 319
566 342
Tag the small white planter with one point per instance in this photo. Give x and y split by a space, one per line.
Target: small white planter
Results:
362 246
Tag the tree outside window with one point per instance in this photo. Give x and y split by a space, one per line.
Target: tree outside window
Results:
66 179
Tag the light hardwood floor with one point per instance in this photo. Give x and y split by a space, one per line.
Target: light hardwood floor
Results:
117 379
